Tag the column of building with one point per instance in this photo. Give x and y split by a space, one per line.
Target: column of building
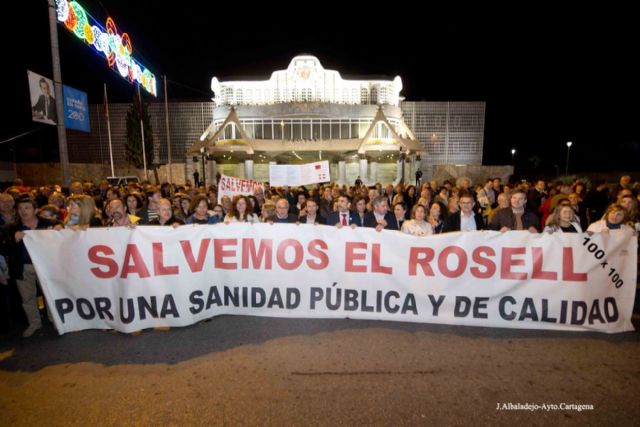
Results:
342 172
248 169
363 169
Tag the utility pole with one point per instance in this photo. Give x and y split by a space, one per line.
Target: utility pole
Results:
57 86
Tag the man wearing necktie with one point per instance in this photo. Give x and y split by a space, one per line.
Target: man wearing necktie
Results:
343 217
45 108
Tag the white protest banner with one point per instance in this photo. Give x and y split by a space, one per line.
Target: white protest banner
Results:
130 279
295 175
231 186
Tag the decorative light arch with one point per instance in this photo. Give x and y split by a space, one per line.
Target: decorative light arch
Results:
116 48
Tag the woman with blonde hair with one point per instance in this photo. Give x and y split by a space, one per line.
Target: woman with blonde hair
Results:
268 211
613 219
81 212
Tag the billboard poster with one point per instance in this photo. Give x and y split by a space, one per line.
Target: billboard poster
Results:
43 102
76 109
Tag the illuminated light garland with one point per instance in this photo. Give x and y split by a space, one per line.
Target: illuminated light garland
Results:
78 28
62 10
98 42
109 51
88 34
116 48
72 19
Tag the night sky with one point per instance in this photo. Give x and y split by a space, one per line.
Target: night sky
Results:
547 76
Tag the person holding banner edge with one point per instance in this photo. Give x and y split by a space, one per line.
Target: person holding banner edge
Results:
20 264
282 213
516 217
241 211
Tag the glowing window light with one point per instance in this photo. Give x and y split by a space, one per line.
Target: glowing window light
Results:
116 48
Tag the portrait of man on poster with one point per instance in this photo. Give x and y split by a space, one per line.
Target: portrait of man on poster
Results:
45 108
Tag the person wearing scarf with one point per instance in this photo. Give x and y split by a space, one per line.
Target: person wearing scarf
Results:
613 219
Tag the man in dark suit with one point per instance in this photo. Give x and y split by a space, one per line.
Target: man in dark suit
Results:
311 216
344 216
466 219
45 108
380 218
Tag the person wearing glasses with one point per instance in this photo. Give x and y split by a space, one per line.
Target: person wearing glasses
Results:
465 219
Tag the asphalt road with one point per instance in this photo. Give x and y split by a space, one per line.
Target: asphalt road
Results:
262 371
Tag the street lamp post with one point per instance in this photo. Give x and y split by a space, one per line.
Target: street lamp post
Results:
513 154
566 169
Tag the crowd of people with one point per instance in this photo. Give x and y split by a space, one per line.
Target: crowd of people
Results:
431 208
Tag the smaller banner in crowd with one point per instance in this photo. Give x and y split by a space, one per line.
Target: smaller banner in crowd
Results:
296 175
131 279
76 109
232 186
43 101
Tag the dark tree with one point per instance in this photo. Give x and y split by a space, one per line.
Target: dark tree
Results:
133 146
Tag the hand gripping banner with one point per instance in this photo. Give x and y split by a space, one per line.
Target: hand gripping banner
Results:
131 279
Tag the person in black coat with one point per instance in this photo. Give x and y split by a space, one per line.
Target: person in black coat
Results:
19 261
380 218
516 217
466 219
310 207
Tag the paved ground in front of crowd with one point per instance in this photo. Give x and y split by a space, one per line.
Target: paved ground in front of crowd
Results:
236 370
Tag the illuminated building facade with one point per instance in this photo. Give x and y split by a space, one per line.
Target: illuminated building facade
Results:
302 114
307 113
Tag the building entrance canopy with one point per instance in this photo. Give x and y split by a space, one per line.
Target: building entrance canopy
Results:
379 139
